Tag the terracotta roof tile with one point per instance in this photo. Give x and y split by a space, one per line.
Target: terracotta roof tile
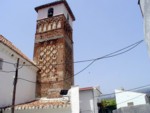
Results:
42 104
15 49
86 88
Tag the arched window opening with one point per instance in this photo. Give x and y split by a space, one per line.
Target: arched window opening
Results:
59 24
54 25
50 12
45 26
40 29
49 26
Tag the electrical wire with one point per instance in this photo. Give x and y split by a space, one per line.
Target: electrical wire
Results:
105 56
109 94
113 54
117 104
27 80
125 48
130 99
8 62
133 89
10 71
108 55
7 71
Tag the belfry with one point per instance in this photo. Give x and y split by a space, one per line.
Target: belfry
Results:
53 49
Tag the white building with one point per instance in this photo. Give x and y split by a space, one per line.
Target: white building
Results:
89 99
128 98
8 58
76 101
67 104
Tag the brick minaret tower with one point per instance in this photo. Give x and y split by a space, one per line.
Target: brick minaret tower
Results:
53 48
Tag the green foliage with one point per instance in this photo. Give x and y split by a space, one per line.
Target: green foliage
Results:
107 106
107 103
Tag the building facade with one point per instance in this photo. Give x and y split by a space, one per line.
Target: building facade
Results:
25 91
69 103
53 50
89 99
129 98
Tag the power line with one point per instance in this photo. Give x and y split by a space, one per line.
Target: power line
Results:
113 54
125 49
117 104
105 56
27 80
8 62
133 89
4 71
130 99
7 71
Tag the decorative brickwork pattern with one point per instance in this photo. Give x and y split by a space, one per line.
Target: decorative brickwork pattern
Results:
69 75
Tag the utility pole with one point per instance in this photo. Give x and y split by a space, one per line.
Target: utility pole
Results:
14 89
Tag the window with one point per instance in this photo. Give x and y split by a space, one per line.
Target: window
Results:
1 63
130 104
50 12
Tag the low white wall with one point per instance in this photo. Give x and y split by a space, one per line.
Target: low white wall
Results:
58 110
75 107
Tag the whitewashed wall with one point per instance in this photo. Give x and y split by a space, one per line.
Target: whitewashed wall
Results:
75 106
125 97
25 90
58 10
56 110
88 101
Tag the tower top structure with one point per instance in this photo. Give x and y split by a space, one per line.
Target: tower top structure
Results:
64 2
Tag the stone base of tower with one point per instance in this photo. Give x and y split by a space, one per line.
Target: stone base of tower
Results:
48 90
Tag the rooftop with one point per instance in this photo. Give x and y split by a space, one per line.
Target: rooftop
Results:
43 104
14 48
86 88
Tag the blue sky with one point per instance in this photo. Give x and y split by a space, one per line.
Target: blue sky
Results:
101 27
